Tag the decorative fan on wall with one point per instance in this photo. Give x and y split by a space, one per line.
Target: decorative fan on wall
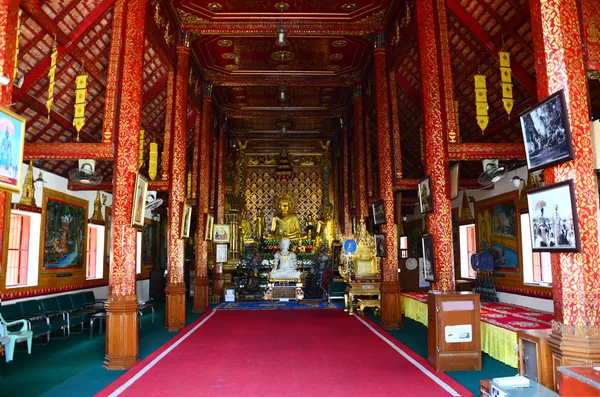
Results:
85 173
152 201
493 172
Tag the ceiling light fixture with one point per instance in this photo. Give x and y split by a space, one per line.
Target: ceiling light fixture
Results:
281 30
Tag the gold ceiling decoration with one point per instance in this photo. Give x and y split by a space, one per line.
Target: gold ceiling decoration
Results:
240 97
282 6
506 79
333 68
232 67
283 67
481 103
191 19
215 7
328 89
339 43
228 55
349 7
238 89
225 43
336 57
282 56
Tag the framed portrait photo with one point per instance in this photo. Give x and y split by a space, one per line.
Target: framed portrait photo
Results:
209 227
553 222
139 201
428 261
425 196
186 220
380 247
546 133
221 234
221 253
378 212
12 142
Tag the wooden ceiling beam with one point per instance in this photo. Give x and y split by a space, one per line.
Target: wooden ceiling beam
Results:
157 39
68 151
408 89
253 114
155 89
512 25
411 183
482 151
483 36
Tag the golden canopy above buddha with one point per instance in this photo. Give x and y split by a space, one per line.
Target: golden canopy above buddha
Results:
285 223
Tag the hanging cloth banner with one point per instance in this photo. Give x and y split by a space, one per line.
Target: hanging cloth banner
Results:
51 74
80 94
481 103
506 79
17 45
141 150
153 160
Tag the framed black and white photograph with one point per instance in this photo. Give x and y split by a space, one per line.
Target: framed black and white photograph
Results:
380 248
553 220
425 196
428 262
378 212
221 253
546 133
454 181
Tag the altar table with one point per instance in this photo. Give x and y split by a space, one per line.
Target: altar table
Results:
499 324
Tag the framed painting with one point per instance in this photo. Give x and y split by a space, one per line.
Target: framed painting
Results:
546 133
221 253
108 245
378 212
380 248
498 230
138 209
425 196
553 218
221 234
12 142
64 231
209 227
428 258
186 220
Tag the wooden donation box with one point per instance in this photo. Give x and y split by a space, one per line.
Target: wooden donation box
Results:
454 338
579 380
535 357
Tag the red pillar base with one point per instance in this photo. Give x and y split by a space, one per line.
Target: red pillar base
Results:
122 345
175 307
218 284
391 308
200 295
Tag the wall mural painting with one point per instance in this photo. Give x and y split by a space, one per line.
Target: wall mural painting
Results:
65 229
497 231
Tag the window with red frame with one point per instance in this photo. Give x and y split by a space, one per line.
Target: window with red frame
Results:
18 250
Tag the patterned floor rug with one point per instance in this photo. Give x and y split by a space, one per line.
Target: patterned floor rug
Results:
269 305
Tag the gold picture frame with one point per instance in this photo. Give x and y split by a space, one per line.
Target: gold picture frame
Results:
186 220
138 210
209 223
221 233
12 142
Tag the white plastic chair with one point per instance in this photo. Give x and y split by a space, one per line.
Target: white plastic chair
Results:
23 334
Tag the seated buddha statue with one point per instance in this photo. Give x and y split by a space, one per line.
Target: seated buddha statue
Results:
285 224
285 262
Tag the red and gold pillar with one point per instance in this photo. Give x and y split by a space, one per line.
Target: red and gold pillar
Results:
396 146
343 180
218 277
559 63
201 281
391 313
435 120
196 154
166 158
359 149
122 349
175 304
9 10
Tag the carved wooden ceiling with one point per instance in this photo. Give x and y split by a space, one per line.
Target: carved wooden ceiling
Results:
233 46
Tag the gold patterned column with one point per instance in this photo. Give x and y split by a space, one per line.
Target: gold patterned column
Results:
175 305
218 277
122 349
168 126
343 180
201 281
559 63
196 154
436 141
391 313
359 144
396 141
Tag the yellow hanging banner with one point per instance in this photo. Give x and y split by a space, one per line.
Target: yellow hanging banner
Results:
481 103
51 74
80 94
141 150
153 160
506 81
189 185
17 45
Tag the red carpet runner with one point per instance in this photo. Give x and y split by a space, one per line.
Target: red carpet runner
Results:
283 353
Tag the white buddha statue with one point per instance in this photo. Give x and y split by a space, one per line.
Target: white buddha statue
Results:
285 262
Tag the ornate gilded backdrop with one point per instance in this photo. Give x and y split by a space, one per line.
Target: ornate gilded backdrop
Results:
261 188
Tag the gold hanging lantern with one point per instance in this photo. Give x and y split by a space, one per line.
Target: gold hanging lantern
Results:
51 74
506 81
481 103
141 150
153 160
80 94
17 45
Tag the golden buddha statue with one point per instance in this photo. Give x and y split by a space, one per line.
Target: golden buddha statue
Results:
286 223
325 227
260 225
246 228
